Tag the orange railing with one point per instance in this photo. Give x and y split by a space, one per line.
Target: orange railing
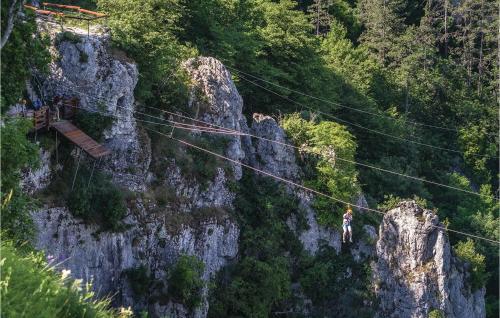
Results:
95 15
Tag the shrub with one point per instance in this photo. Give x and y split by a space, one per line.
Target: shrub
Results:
436 313
99 201
466 251
323 144
17 152
93 124
31 288
185 281
69 37
139 279
256 287
84 57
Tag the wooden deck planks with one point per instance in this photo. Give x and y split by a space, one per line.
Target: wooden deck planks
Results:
79 138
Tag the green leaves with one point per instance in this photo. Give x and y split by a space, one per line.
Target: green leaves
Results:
185 281
467 252
29 287
327 146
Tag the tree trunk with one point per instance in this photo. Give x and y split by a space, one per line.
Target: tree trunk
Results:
11 19
480 64
446 28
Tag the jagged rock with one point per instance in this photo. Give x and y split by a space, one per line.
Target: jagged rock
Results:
361 203
86 69
280 160
33 180
270 156
215 99
416 272
103 257
215 194
364 243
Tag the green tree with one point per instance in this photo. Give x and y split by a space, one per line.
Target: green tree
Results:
467 252
319 15
24 50
185 281
330 151
384 22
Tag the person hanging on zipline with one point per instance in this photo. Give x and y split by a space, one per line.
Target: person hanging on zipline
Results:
346 224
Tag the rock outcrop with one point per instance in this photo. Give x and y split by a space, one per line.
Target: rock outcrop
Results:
280 160
416 271
103 258
194 221
85 68
33 180
214 99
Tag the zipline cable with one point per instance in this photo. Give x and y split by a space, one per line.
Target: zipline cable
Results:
454 129
339 158
360 126
289 181
228 131
307 188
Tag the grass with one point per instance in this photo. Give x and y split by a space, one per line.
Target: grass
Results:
29 287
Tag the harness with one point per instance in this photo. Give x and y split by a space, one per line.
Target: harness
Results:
347 219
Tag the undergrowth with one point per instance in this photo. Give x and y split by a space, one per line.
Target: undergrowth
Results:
29 287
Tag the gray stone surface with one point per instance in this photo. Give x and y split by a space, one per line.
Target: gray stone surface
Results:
103 83
33 180
416 272
215 99
280 160
101 258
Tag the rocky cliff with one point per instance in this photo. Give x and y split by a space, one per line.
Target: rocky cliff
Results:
195 216
195 220
416 271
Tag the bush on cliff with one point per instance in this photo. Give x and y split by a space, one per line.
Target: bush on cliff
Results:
29 287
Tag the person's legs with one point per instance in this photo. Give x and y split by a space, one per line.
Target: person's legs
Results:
350 233
344 234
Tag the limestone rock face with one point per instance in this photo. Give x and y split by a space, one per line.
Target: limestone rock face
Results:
33 180
215 99
272 156
103 258
280 160
416 271
85 68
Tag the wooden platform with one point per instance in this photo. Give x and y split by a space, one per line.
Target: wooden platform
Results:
79 138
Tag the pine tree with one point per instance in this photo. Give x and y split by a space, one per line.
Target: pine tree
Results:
384 22
319 15
477 43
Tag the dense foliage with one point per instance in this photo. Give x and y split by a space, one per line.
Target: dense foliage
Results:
25 48
17 153
379 69
184 281
93 197
272 258
467 252
29 287
405 86
329 151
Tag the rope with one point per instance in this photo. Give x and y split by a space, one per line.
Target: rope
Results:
325 114
76 172
290 182
92 172
228 131
362 127
307 188
342 159
454 129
